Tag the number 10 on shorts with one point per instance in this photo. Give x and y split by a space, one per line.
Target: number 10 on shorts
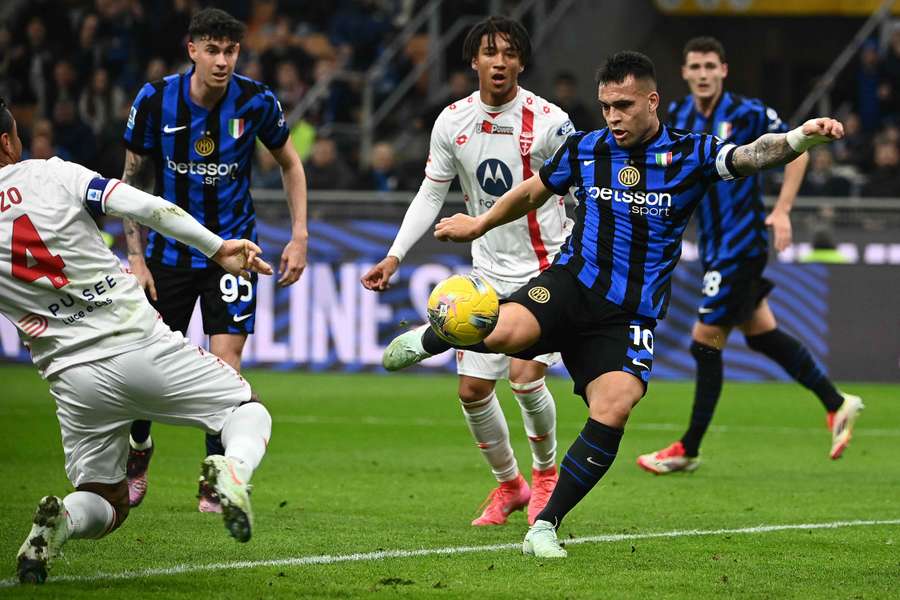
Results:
642 337
235 288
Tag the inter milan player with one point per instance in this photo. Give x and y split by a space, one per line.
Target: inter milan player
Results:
493 139
193 135
103 350
637 183
734 246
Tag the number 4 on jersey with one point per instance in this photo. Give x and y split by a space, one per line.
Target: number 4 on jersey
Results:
26 240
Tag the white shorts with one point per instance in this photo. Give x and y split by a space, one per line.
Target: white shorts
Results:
495 366
169 381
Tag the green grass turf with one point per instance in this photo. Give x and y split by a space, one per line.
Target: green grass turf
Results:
361 463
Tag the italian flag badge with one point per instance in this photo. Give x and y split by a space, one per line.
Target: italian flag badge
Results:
663 159
236 128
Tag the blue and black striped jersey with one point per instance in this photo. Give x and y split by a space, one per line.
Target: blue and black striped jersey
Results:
633 207
732 220
203 157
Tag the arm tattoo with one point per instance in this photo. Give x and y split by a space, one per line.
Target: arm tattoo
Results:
138 173
769 150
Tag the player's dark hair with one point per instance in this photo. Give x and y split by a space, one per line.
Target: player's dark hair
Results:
215 24
622 64
703 44
491 27
6 119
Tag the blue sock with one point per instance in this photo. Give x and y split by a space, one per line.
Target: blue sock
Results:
707 390
586 462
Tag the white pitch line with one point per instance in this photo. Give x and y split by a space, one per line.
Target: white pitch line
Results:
427 422
330 559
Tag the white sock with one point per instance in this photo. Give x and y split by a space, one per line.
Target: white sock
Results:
488 426
539 415
245 436
88 515
140 445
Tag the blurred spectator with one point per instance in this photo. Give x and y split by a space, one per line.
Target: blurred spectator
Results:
885 180
565 95
821 180
99 104
167 33
73 135
65 85
41 148
288 86
41 144
383 175
284 47
32 66
824 249
267 172
889 90
459 85
867 81
156 70
87 52
358 30
855 147
325 170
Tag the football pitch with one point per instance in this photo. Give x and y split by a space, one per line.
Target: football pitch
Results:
371 481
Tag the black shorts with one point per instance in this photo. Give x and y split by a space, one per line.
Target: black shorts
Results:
593 335
227 303
732 290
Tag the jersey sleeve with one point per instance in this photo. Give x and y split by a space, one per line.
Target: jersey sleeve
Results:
274 131
73 178
559 127
557 174
441 165
772 123
715 158
141 128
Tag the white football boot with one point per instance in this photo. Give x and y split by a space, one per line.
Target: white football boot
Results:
541 541
841 424
234 496
405 350
49 531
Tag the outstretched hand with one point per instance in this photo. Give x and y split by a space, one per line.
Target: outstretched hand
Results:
780 222
458 228
826 128
378 277
241 257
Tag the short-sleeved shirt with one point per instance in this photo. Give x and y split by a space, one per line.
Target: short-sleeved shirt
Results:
67 294
634 204
491 149
731 221
203 157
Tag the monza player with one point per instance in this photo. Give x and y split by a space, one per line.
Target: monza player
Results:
637 182
103 349
493 139
734 247
192 136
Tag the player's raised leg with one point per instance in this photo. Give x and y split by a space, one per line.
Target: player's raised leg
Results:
763 335
486 421
539 416
610 397
516 330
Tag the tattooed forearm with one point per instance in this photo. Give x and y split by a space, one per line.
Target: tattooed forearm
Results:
138 173
769 150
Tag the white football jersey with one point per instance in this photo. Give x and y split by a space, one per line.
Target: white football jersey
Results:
491 149
66 293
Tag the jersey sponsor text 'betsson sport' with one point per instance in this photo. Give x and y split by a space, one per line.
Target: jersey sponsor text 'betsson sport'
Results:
732 218
68 296
203 157
491 149
633 207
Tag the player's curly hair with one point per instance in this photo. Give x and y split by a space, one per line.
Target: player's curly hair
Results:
704 44
215 24
622 64
510 29
6 119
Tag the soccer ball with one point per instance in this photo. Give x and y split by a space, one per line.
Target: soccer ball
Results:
463 309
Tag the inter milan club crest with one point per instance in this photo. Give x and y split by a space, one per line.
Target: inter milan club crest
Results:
236 128
526 139
629 176
205 146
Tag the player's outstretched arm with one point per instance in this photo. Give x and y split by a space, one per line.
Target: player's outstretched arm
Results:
421 213
775 149
240 257
293 177
138 173
516 203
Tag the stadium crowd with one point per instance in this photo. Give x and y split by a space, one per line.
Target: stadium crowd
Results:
70 71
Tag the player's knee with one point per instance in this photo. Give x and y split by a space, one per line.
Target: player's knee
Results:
517 329
473 391
114 493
